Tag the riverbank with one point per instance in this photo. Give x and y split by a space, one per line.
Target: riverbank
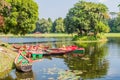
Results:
55 35
7 56
40 35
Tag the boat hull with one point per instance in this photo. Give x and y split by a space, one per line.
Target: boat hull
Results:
57 51
24 67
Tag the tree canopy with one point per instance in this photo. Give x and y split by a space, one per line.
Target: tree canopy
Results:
114 22
4 8
43 25
58 25
85 17
21 17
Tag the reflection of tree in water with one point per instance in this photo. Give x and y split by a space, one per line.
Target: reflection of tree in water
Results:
94 67
114 40
24 76
17 76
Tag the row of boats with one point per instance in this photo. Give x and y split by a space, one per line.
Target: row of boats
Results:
29 54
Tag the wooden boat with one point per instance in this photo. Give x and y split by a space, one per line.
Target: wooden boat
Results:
22 63
16 46
57 51
62 50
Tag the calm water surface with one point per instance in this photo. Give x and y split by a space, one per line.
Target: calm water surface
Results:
101 61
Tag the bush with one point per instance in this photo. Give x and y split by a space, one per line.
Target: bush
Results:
89 38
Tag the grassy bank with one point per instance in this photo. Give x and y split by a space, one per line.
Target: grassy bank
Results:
7 56
39 35
55 35
112 34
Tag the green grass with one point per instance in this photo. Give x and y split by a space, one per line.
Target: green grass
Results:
55 35
39 35
7 56
112 34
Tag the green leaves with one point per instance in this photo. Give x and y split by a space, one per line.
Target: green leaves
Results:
84 17
59 25
43 25
22 17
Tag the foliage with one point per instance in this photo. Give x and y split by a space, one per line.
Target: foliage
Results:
58 25
21 18
85 17
4 9
114 24
111 24
96 53
99 37
51 24
117 24
43 26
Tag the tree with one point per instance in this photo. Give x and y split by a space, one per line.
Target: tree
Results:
4 8
119 7
114 23
117 24
43 26
113 14
22 17
51 24
59 26
85 17
111 24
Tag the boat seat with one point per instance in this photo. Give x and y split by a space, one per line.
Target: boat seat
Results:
35 56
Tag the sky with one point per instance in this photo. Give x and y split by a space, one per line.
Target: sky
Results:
59 8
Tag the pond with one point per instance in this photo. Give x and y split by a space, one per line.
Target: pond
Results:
101 61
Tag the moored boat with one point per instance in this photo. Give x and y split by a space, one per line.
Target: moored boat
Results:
57 51
22 63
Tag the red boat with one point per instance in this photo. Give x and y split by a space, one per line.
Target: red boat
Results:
16 46
63 50
57 51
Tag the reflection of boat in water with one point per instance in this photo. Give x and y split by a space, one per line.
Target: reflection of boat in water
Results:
79 51
24 76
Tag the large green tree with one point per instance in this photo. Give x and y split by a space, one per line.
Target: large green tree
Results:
85 17
22 17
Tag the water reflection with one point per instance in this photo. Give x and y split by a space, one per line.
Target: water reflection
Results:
24 76
98 63
93 64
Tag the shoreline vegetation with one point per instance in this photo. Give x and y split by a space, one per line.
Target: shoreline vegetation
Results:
55 35
83 39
